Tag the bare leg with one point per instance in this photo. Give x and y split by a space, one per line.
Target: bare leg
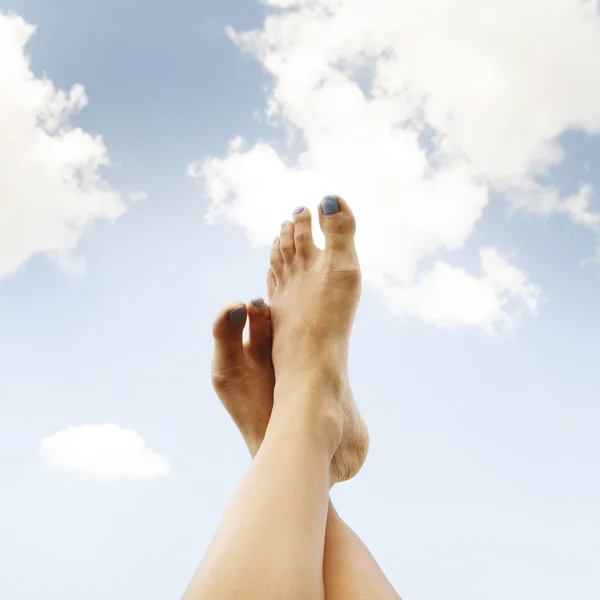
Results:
244 381
270 542
243 378
350 571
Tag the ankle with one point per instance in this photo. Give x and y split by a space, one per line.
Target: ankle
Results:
309 351
317 377
308 416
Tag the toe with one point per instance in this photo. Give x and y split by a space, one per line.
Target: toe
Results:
303 238
227 331
259 342
338 225
276 261
271 282
286 242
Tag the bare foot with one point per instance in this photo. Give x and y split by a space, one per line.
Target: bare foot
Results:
314 295
242 371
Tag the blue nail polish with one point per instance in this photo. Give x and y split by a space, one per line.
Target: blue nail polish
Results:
283 224
258 302
330 205
298 210
276 238
236 315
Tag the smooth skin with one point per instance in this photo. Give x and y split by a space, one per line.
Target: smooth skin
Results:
280 535
244 379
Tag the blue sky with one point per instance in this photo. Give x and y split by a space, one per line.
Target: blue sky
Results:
482 480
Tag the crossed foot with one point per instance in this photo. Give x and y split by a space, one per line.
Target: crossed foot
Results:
305 329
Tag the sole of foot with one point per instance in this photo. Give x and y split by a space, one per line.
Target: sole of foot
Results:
313 295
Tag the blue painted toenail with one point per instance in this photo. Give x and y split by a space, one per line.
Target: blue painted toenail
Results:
258 301
330 205
283 224
298 210
276 238
236 315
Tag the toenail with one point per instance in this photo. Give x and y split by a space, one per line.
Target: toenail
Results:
283 224
236 315
330 205
258 301
298 210
276 238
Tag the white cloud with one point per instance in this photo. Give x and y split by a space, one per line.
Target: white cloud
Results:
103 450
449 296
51 189
416 111
138 196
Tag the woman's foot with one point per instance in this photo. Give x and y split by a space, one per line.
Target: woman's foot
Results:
242 371
313 296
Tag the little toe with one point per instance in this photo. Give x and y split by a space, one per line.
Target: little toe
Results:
286 242
303 237
276 260
227 332
259 341
338 224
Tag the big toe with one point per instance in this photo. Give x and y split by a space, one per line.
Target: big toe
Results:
227 332
338 224
259 342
